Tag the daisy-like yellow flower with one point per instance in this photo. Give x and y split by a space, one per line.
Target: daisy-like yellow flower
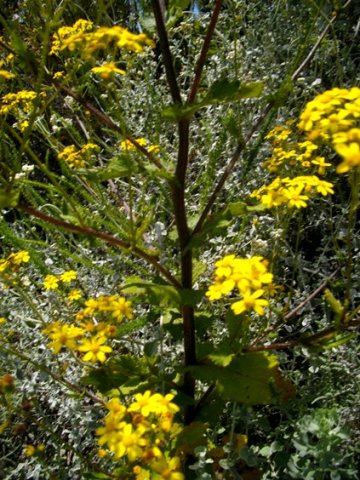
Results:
143 404
121 308
107 70
250 301
168 468
350 154
127 145
19 257
63 336
94 349
23 99
51 282
294 197
68 276
74 295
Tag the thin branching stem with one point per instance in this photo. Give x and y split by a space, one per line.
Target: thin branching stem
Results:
109 122
204 51
106 237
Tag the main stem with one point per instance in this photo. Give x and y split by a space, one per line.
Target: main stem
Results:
178 194
178 198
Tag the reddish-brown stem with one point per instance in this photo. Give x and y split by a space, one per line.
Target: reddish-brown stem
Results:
106 237
309 340
178 198
204 51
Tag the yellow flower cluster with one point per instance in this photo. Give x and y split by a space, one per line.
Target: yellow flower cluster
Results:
249 276
118 307
31 450
107 70
128 146
81 35
63 33
292 192
5 74
88 335
333 117
77 158
51 282
143 432
23 100
288 153
10 265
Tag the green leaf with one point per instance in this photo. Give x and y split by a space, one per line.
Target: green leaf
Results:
132 325
157 294
221 359
237 209
175 11
191 296
198 269
95 476
191 437
120 166
221 91
175 112
333 340
126 372
251 378
9 197
225 91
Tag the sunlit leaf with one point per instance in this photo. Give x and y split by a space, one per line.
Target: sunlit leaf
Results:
250 378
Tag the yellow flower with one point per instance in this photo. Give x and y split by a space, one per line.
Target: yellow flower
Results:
168 468
19 257
130 442
350 154
29 450
51 282
321 163
23 99
325 188
164 404
2 320
6 75
66 277
143 404
58 75
127 145
121 308
82 36
107 70
63 33
24 125
74 295
141 474
95 349
62 336
250 301
101 453
294 197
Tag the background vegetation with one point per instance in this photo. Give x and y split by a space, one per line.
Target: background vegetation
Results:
259 396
